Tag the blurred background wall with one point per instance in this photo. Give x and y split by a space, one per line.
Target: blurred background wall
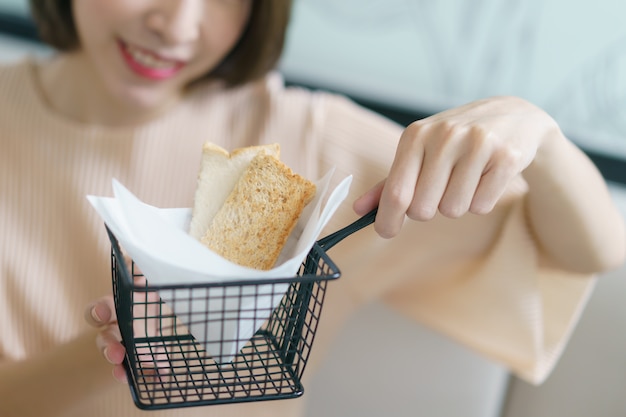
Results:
567 56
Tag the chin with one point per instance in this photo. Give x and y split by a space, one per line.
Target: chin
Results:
147 100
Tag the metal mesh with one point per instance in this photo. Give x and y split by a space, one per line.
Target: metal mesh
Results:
204 344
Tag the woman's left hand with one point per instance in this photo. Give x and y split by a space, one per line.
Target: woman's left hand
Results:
457 161
101 315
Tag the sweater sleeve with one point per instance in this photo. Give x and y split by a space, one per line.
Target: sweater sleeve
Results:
476 279
508 308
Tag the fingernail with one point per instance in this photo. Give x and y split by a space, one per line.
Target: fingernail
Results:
105 352
94 315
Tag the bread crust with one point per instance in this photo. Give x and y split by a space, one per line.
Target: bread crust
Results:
218 174
253 224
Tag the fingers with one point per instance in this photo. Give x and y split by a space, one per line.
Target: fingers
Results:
465 178
101 312
119 373
493 184
448 168
399 188
108 342
431 186
460 191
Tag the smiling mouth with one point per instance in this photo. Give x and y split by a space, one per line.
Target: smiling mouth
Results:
147 64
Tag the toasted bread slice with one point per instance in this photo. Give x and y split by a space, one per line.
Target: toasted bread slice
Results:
253 225
219 172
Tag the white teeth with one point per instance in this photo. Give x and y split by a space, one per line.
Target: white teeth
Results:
147 59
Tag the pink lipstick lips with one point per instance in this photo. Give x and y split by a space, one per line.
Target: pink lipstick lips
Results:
149 65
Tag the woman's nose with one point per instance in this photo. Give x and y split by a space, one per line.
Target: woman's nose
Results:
175 21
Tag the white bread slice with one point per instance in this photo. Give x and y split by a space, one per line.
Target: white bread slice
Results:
219 172
253 225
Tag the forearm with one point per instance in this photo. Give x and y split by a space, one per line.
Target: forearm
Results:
51 382
570 209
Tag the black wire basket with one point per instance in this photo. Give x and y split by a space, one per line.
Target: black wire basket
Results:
169 367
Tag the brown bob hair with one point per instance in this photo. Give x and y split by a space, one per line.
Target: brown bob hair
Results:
256 53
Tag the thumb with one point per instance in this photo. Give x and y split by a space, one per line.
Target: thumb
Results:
368 201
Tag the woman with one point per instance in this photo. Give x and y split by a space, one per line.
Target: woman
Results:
490 229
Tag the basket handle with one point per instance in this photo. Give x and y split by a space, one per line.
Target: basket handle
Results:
336 237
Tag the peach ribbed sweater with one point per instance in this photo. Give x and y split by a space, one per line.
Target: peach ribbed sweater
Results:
474 279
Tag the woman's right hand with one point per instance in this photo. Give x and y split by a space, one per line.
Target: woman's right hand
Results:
101 315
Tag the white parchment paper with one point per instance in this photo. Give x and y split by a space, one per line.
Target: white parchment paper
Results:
158 242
